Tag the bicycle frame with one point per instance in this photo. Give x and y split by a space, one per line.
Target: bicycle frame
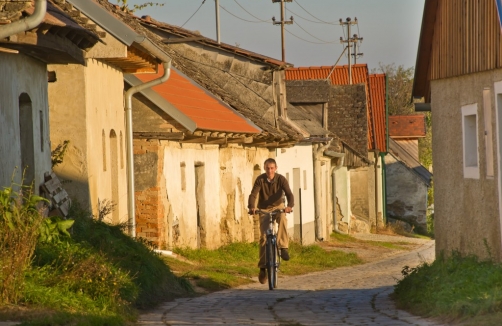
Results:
273 254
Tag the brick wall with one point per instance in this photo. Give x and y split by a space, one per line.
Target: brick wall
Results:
347 115
149 191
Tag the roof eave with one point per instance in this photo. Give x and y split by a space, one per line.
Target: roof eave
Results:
420 80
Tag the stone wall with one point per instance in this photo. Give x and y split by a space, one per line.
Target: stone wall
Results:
11 10
347 115
308 91
406 194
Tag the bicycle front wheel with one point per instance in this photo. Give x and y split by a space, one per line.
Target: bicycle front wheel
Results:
271 259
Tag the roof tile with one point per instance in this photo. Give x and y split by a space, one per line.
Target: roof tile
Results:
204 109
407 126
338 75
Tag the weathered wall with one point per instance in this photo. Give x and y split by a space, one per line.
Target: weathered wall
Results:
308 91
362 192
87 108
238 170
347 115
343 190
22 74
152 205
466 211
406 194
296 165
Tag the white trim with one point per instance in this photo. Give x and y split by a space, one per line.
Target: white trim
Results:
498 124
470 133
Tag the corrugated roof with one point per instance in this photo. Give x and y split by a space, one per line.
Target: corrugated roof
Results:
378 105
200 106
339 75
407 126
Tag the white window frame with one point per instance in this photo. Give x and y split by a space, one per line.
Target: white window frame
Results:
470 141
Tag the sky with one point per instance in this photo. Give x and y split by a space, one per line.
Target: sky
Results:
390 28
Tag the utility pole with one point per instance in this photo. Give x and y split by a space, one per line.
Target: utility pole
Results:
282 23
350 41
217 3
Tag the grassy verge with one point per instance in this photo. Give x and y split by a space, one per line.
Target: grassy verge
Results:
455 288
343 238
234 264
98 276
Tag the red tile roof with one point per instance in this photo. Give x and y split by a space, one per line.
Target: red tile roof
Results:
205 110
339 75
407 126
378 91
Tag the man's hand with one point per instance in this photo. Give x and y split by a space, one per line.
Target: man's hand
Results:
288 209
252 211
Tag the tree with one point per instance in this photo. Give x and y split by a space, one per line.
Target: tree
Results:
125 7
399 86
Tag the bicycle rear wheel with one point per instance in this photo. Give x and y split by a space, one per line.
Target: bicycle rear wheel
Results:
271 259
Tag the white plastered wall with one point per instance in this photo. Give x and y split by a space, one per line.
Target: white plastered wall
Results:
86 102
23 74
299 157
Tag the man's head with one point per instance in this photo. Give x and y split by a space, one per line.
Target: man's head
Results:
270 166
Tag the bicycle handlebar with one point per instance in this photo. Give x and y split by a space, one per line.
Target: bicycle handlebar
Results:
274 212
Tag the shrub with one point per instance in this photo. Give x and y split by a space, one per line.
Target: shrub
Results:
20 221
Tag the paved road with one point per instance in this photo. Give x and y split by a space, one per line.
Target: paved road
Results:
356 295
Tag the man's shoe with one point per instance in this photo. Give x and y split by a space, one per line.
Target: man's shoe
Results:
262 277
284 254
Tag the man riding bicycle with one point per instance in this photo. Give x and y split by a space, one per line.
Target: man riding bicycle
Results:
271 187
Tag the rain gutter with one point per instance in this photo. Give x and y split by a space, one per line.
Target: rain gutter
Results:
26 23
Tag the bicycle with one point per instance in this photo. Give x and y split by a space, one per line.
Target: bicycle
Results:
273 254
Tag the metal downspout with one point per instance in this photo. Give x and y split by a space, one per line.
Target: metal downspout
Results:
130 154
27 23
384 188
317 187
333 192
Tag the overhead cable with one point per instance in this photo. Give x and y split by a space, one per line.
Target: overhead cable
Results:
298 37
249 21
265 21
296 23
193 13
332 23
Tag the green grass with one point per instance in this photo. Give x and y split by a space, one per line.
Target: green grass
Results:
99 276
234 264
344 238
453 288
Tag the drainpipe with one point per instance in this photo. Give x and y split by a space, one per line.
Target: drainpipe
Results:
333 191
130 154
318 151
27 23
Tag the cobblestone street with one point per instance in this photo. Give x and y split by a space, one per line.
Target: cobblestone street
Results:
356 295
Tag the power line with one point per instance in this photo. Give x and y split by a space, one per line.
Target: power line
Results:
309 20
332 23
265 21
193 13
249 21
313 35
298 37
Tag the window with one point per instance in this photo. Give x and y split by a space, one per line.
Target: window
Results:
470 141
